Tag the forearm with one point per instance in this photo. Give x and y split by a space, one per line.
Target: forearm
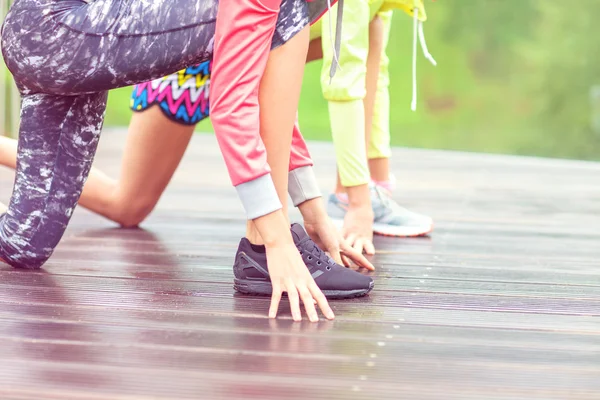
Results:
312 210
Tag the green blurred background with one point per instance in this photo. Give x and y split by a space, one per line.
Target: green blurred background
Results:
512 77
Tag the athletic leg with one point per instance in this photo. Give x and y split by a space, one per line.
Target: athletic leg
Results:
378 144
57 142
375 89
374 61
75 47
60 127
345 95
390 218
154 148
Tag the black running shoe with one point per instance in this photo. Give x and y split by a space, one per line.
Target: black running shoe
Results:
335 281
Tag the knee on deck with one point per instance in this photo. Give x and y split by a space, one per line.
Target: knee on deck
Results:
23 256
132 213
18 251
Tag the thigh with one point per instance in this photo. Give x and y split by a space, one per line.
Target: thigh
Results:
70 47
127 18
57 143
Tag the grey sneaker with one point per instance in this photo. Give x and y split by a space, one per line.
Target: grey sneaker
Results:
251 275
390 218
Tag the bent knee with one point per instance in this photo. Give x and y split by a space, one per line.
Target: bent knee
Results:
134 213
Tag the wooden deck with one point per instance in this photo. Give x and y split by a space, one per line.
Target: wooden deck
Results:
502 302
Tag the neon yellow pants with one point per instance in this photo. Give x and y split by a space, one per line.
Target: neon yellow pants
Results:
347 90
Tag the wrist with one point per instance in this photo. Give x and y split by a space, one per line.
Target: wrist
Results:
312 210
359 196
274 229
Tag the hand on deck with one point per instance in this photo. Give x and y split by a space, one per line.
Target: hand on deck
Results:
289 274
287 270
358 228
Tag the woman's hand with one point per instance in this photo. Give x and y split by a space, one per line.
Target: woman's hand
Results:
358 228
323 232
358 222
287 270
289 274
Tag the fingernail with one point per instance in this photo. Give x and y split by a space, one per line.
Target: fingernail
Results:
272 315
297 317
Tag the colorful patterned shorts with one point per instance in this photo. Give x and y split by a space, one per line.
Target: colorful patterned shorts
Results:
182 96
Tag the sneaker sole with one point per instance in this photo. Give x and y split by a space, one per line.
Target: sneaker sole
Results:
393 231
265 289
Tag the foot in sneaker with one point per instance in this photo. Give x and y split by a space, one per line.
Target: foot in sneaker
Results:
391 219
251 275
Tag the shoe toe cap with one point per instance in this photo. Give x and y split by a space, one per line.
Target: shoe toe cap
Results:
344 279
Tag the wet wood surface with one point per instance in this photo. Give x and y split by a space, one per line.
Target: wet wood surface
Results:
501 302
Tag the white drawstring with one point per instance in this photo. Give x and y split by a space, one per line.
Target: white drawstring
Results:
413 104
426 52
418 31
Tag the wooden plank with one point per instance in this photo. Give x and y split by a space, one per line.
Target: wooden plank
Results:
501 302
218 281
68 380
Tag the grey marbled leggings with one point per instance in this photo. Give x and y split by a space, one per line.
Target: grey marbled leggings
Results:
65 55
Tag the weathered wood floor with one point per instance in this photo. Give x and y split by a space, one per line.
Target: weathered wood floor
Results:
501 302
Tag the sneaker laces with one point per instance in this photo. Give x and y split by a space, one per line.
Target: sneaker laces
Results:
387 201
308 245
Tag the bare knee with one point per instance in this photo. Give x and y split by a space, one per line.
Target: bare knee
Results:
133 213
20 254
